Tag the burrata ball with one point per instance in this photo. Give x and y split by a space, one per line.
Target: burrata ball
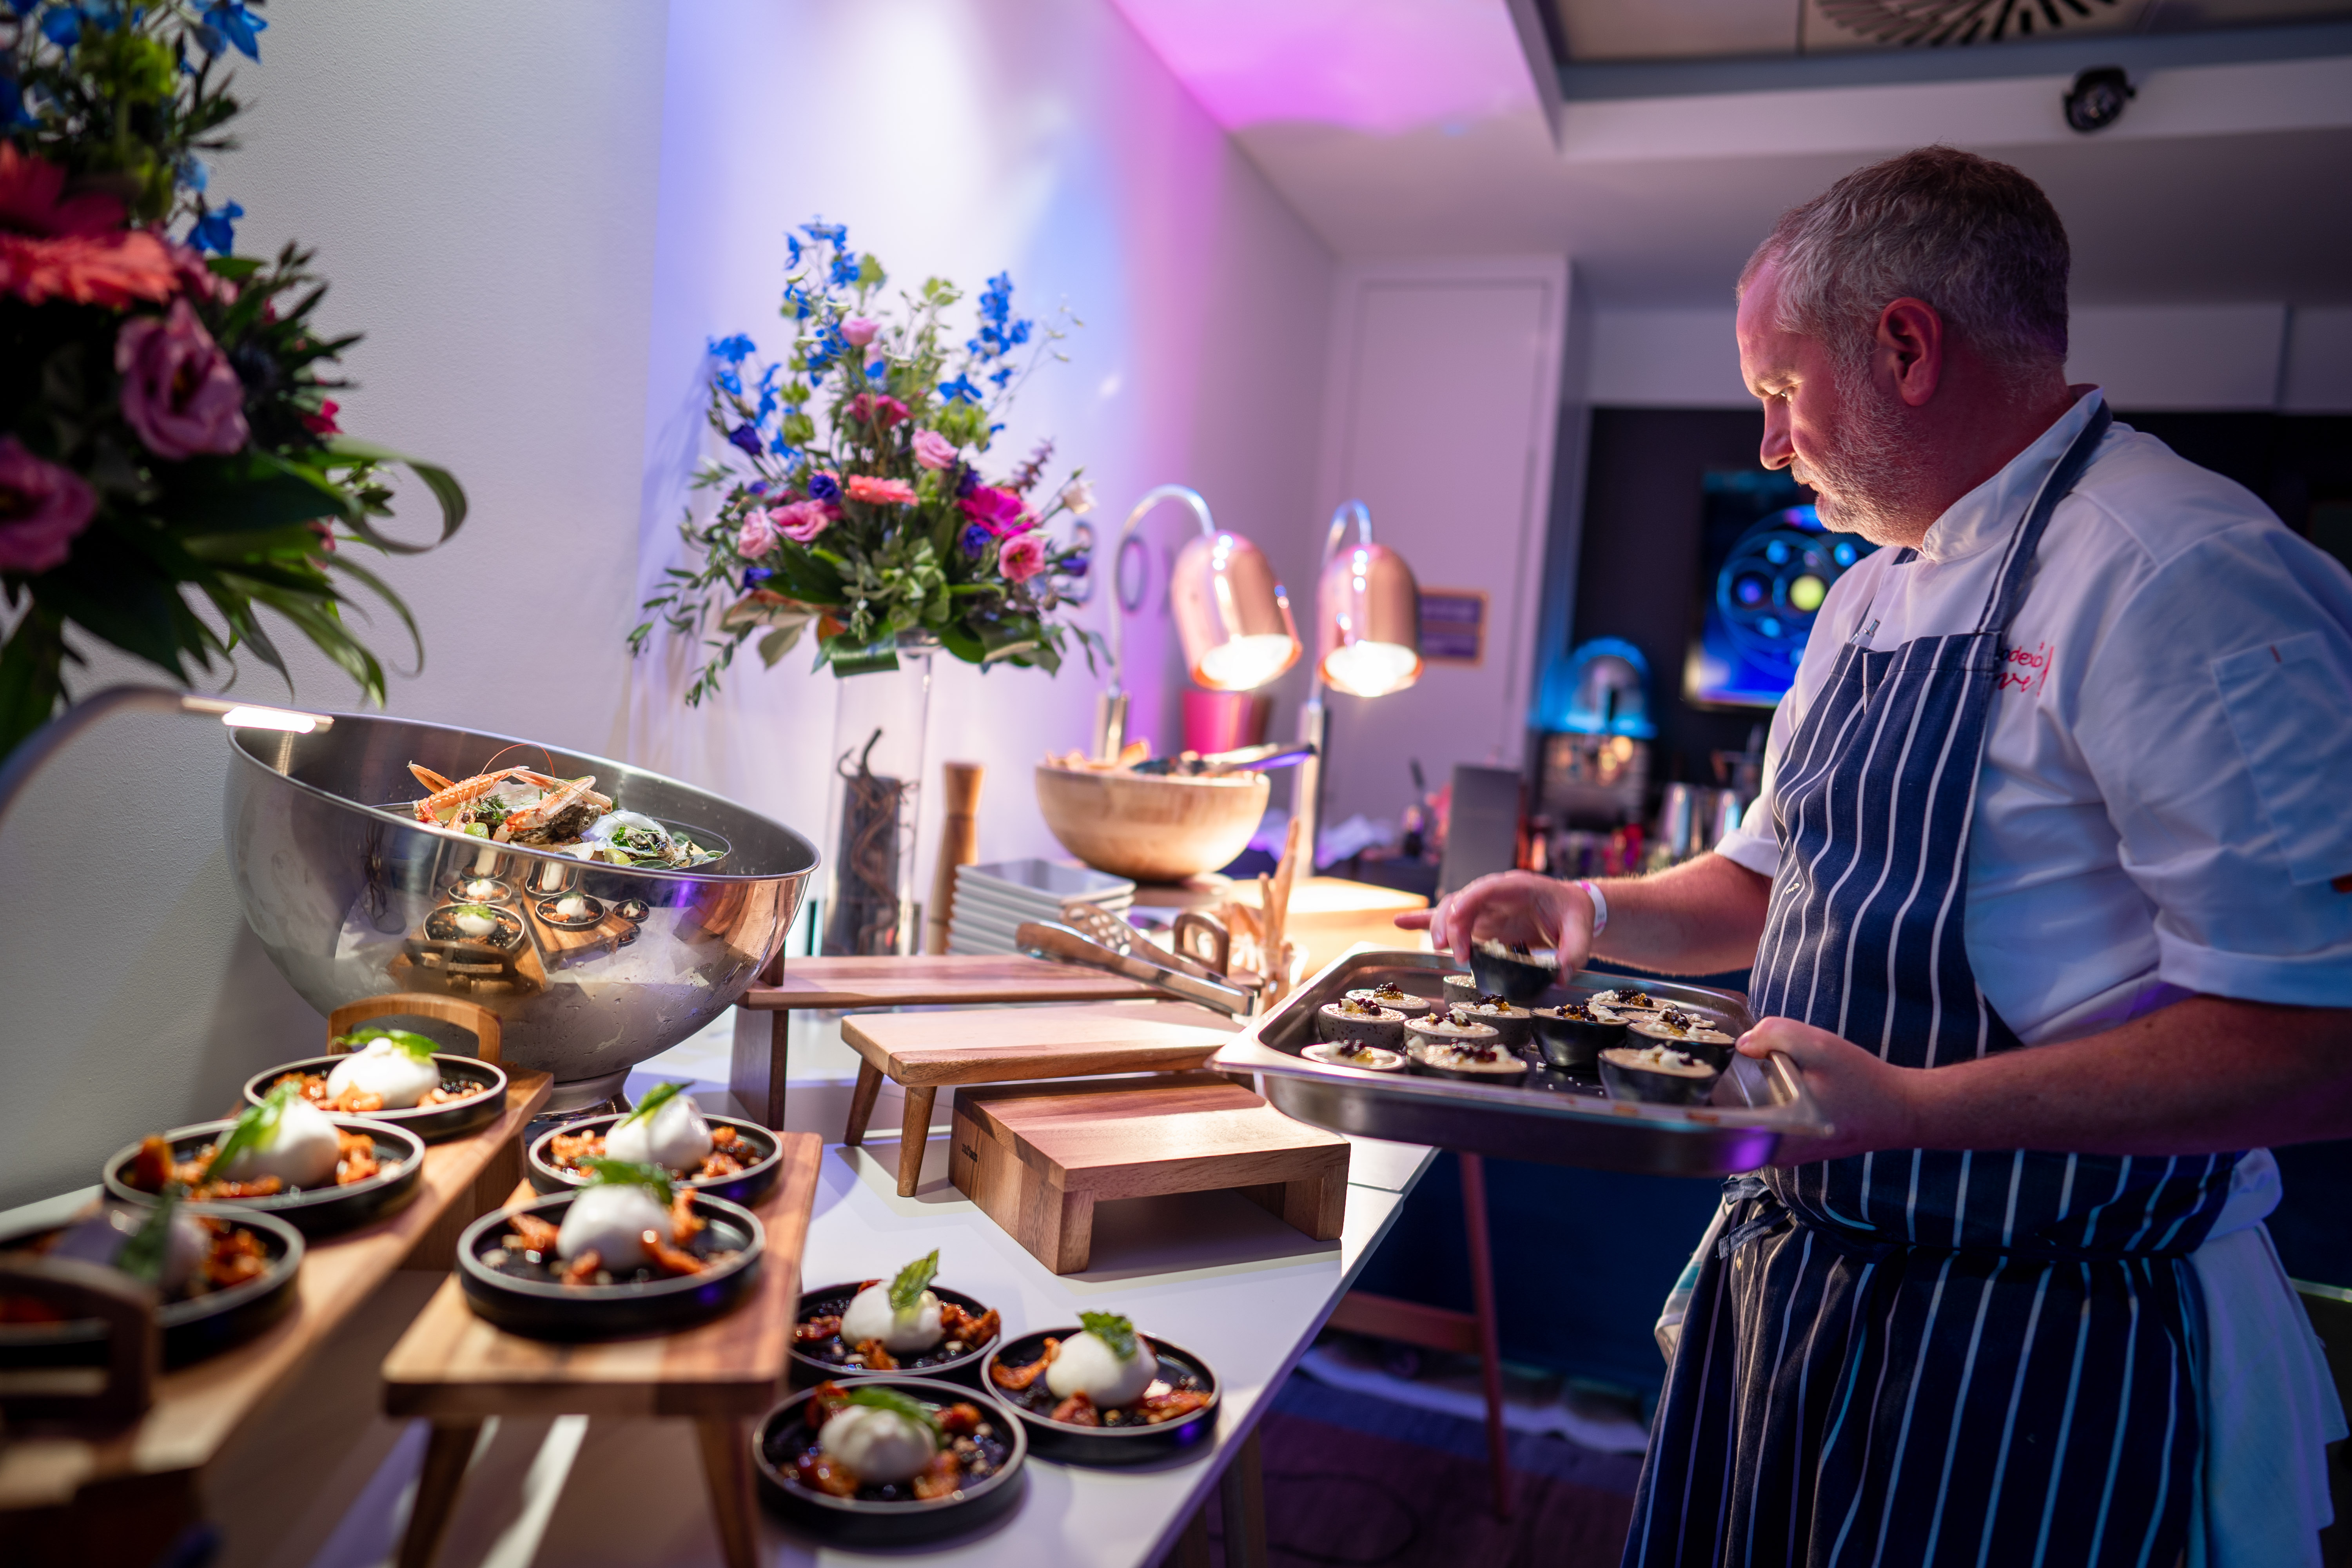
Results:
910 1332
475 922
101 1238
675 1136
1087 1366
878 1446
301 1151
382 1068
610 1219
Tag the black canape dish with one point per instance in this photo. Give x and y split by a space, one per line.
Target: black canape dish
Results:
487 1099
313 1211
1567 1042
192 1330
1518 977
523 1298
782 1435
1179 1368
746 1186
811 1365
593 916
1628 1080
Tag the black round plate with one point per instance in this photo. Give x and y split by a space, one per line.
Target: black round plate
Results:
502 890
829 1300
782 1437
1517 980
192 1330
633 911
748 1185
434 1124
1105 1445
441 926
1654 1087
549 1310
313 1211
545 909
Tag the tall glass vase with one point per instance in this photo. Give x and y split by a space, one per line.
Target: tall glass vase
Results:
876 763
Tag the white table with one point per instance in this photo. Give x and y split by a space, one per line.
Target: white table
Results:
1209 1271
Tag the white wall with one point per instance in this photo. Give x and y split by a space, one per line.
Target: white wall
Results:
963 137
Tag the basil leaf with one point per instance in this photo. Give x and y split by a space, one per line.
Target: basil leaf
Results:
142 1256
907 1290
1113 1331
875 1397
254 1129
415 1044
611 1172
661 1094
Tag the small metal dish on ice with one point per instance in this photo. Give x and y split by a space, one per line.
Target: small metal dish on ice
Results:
748 1185
441 925
483 1083
1179 1368
481 890
516 1296
313 1211
592 914
811 1364
784 1434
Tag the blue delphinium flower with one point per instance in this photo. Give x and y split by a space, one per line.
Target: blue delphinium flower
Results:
240 27
960 390
824 487
746 437
730 380
826 233
975 540
734 349
794 295
768 392
844 268
1075 566
755 576
62 26
216 230
1000 375
194 175
967 481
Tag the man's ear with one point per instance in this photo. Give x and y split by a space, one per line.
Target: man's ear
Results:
1910 349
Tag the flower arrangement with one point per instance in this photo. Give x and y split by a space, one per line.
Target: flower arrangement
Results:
167 442
852 497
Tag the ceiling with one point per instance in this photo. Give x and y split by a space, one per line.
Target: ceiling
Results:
1422 127
1593 30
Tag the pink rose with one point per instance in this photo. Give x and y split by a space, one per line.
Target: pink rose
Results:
1000 511
42 508
178 391
756 537
881 492
1021 558
803 520
884 411
934 450
860 332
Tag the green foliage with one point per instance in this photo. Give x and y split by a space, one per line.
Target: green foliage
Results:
413 1044
149 1249
661 1094
907 1290
1113 1331
874 1396
255 1128
609 1173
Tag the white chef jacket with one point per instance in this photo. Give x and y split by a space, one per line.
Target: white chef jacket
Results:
2164 797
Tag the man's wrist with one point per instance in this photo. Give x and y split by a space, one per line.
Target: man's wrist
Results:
1600 902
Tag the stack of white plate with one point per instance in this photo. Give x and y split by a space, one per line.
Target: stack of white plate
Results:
992 901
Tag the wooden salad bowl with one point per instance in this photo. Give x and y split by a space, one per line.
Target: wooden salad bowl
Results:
1150 827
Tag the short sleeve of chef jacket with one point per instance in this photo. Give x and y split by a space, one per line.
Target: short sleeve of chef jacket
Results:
2216 721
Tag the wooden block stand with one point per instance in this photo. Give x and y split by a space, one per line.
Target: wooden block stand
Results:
1037 1158
455 1370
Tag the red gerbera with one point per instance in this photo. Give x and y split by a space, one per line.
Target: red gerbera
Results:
75 248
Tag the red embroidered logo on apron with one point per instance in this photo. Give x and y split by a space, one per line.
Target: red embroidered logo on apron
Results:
2025 668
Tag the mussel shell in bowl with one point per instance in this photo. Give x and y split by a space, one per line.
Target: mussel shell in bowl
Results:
782 1435
1518 978
193 1329
811 1365
486 1097
592 915
1104 1445
748 1185
313 1211
543 1309
441 925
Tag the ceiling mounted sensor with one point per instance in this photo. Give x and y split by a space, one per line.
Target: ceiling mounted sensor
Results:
2097 98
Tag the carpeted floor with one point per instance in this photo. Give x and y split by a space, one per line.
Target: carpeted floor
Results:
1358 1481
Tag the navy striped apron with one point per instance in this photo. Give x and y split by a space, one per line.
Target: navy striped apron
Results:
1915 1356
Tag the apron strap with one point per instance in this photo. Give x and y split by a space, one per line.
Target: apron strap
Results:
2000 605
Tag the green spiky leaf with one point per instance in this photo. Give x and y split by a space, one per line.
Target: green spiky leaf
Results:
873 1396
257 1127
605 1171
907 1290
1113 1331
661 1094
144 1255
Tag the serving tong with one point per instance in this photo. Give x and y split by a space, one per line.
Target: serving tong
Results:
1110 943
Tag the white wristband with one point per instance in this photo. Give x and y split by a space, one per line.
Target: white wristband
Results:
1599 905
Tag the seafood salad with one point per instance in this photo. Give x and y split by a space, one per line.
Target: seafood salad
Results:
520 805
285 1143
1106 1375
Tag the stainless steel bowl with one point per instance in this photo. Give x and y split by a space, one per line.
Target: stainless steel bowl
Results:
337 879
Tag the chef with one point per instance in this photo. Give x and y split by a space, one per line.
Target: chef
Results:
2049 893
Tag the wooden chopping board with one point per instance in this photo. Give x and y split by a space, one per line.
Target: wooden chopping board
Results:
1006 1045
840 984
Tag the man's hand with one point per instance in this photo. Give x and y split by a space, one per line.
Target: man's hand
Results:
1867 1101
1523 908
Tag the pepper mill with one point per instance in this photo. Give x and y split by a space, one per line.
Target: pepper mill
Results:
959 845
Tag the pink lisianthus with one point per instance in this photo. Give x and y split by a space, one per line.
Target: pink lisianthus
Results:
1023 558
881 492
934 450
756 537
866 408
42 508
860 332
803 520
178 391
1002 513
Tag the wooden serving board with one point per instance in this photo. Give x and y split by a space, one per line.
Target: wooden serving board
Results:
457 1371
559 947
1036 1158
842 985
135 1488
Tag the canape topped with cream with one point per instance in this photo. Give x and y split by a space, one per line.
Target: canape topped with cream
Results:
1392 996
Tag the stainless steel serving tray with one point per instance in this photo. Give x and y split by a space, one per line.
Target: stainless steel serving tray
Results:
1755 1104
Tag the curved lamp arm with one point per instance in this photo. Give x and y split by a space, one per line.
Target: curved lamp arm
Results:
1110 709
1314 722
46 741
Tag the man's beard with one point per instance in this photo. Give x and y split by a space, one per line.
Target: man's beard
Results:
1864 481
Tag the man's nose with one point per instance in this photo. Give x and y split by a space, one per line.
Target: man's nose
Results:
1778 451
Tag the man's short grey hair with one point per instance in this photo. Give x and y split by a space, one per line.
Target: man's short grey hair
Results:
1976 239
